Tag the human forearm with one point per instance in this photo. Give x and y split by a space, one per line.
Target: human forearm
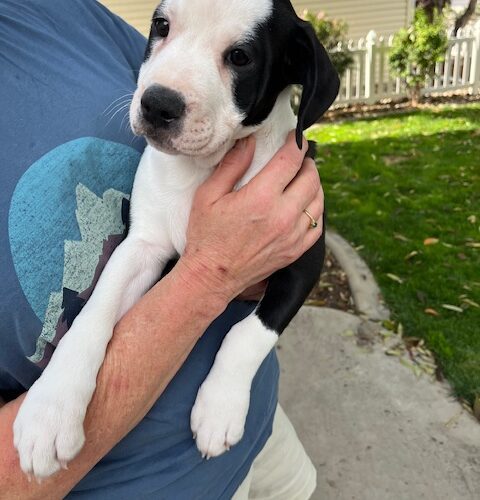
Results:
148 347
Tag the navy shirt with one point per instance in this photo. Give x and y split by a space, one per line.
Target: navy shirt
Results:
67 161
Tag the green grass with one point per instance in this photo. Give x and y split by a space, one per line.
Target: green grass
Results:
390 184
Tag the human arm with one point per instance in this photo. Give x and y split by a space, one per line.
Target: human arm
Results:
140 362
137 368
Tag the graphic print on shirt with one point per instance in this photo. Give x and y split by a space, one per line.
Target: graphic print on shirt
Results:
67 215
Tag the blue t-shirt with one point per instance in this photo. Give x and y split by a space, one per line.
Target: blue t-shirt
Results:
67 161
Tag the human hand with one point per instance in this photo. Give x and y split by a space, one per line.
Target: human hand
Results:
236 239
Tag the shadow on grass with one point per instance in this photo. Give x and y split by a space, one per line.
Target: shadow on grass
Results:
462 111
389 195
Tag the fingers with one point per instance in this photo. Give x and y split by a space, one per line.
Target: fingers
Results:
230 170
305 187
284 166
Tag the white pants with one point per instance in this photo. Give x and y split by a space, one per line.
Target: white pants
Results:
282 470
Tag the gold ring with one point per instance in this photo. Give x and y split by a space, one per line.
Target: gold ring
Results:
313 222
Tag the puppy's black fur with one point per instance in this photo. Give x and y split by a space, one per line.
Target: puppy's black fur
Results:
288 288
284 51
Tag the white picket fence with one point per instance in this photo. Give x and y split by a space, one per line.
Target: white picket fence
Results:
369 78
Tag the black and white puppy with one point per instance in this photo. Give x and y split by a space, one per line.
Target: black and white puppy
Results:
215 71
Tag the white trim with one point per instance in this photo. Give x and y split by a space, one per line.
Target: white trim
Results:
369 79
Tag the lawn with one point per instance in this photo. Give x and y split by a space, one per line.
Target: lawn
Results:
405 190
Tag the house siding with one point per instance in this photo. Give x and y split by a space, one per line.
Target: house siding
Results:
138 13
383 16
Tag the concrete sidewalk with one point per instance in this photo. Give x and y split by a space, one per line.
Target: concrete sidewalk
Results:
373 430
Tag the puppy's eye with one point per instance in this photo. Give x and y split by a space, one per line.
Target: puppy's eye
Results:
162 26
238 57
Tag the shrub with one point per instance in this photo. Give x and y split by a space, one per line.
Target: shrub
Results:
417 49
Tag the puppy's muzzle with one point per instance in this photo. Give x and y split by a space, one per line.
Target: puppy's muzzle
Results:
163 108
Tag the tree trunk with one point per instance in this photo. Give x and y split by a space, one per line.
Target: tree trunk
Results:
415 95
430 6
466 16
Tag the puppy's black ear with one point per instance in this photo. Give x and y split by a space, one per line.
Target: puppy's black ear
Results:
308 64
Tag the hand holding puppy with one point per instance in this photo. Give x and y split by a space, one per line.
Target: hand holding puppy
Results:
236 239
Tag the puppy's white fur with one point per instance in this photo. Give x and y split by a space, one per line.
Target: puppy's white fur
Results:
48 431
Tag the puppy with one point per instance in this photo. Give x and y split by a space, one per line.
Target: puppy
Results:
215 71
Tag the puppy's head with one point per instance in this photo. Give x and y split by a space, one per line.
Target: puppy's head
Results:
214 69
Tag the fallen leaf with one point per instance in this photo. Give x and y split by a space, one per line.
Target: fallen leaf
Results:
432 312
471 303
472 219
407 363
393 160
396 278
452 308
411 255
473 244
431 241
389 325
400 330
400 237
315 303
386 334
395 352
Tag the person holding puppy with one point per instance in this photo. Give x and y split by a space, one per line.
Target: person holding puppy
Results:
67 169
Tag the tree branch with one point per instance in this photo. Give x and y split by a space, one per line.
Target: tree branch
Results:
466 16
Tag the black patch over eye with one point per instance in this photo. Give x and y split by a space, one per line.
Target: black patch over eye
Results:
162 26
238 57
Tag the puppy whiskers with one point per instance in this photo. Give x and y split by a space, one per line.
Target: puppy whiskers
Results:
124 98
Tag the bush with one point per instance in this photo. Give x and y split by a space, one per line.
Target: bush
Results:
417 49
331 33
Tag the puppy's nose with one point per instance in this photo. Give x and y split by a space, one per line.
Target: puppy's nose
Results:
162 107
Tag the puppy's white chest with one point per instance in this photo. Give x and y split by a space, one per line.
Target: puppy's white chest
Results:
162 200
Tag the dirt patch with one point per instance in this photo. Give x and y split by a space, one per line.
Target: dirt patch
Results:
387 107
332 290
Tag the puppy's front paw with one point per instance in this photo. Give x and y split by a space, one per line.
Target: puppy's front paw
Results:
48 430
219 414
